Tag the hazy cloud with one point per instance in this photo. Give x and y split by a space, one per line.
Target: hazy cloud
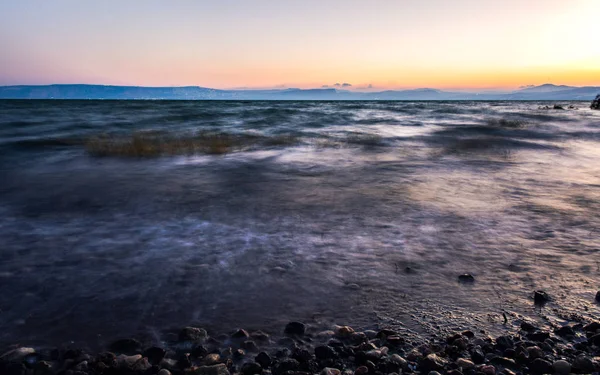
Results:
325 86
526 86
337 84
370 86
345 84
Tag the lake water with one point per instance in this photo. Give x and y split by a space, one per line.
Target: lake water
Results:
359 213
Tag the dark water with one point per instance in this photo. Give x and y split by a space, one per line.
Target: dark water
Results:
321 229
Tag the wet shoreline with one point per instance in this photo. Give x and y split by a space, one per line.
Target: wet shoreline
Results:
525 348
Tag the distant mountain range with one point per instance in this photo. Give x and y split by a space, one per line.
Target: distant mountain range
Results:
543 92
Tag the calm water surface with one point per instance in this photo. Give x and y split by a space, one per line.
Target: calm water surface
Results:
366 219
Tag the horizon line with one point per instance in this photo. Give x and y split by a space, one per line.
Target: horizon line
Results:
280 88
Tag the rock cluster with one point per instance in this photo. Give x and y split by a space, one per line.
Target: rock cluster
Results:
340 351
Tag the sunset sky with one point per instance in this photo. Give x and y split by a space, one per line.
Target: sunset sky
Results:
461 44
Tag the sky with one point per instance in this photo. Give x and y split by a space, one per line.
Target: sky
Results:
369 44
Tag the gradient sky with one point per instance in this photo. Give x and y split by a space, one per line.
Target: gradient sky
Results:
301 43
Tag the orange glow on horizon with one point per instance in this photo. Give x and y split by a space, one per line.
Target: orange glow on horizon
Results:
465 44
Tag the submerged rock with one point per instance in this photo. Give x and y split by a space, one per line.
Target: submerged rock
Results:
192 334
240 334
295 328
540 297
466 278
598 296
596 103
